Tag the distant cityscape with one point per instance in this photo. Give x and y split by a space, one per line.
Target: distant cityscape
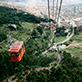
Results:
73 14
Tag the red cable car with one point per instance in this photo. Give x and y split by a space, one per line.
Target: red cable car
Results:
16 51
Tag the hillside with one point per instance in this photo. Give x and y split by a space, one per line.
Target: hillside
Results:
76 46
56 66
34 37
8 15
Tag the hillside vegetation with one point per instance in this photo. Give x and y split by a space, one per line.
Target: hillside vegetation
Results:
70 70
35 38
14 16
76 46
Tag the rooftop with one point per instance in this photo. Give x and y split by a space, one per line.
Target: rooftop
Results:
16 47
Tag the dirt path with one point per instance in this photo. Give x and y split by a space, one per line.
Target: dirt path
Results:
59 43
37 69
59 57
50 65
50 42
2 41
74 44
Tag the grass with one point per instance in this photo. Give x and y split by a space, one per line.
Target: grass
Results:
51 35
75 51
17 34
77 37
3 46
2 27
25 33
59 39
22 35
29 26
49 54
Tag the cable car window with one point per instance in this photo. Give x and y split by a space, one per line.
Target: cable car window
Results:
19 52
13 54
9 54
22 46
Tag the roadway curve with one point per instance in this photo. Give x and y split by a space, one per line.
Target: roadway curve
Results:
68 38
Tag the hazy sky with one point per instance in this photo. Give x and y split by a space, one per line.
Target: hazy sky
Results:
45 1
64 1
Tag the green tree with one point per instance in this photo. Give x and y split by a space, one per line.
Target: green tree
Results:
40 30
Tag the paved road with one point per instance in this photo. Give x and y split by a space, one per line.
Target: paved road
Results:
51 64
59 43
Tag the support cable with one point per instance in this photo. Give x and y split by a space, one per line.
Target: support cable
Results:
56 10
59 10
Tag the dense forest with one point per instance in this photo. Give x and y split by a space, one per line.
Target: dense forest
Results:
69 70
8 68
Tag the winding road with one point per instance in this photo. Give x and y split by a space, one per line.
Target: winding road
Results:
68 38
51 64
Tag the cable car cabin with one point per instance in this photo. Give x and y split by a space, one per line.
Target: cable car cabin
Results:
16 51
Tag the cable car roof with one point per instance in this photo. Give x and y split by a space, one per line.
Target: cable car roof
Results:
12 25
16 47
